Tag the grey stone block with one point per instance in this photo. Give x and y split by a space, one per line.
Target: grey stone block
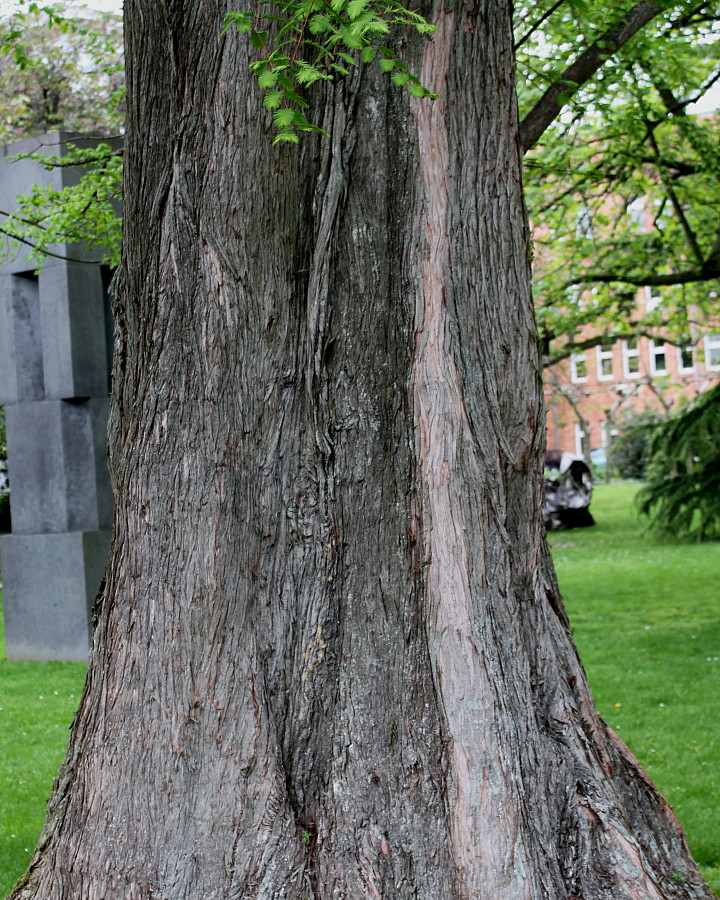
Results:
17 176
74 307
57 465
55 360
87 477
49 586
35 469
22 370
105 502
8 376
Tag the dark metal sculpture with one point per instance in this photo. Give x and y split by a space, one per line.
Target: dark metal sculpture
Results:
567 497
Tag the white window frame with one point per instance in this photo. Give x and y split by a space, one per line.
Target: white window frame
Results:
652 301
682 369
636 211
655 351
602 355
603 433
579 435
575 358
583 222
629 353
575 296
712 345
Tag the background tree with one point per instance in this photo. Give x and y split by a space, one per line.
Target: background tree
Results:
574 395
622 186
630 453
681 497
62 68
330 658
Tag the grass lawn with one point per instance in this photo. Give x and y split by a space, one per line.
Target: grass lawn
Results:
646 619
37 703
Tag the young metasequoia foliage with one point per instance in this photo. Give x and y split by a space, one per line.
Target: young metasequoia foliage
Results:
85 213
328 31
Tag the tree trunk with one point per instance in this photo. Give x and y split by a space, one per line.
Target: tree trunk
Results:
330 659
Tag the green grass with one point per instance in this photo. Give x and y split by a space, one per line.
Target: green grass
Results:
646 620
37 703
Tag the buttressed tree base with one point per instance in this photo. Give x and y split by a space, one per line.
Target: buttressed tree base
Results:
331 660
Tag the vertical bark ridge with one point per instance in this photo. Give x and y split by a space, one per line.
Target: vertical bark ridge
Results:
483 816
376 815
318 307
480 423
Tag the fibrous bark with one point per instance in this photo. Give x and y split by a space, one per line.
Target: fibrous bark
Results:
330 659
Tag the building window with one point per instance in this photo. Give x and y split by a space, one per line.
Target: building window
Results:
658 359
653 299
583 223
636 212
686 360
604 361
578 367
712 352
631 358
575 296
579 435
603 433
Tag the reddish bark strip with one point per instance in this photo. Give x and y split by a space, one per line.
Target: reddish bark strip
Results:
482 820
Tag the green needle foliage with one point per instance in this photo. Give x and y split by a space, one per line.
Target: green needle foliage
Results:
86 213
682 498
333 33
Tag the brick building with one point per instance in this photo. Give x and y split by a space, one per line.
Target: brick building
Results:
590 393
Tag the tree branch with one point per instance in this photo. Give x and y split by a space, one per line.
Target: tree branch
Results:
570 392
712 263
709 271
537 24
690 235
50 163
45 251
581 71
680 167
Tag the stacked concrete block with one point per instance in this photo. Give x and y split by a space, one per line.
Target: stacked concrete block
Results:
55 352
